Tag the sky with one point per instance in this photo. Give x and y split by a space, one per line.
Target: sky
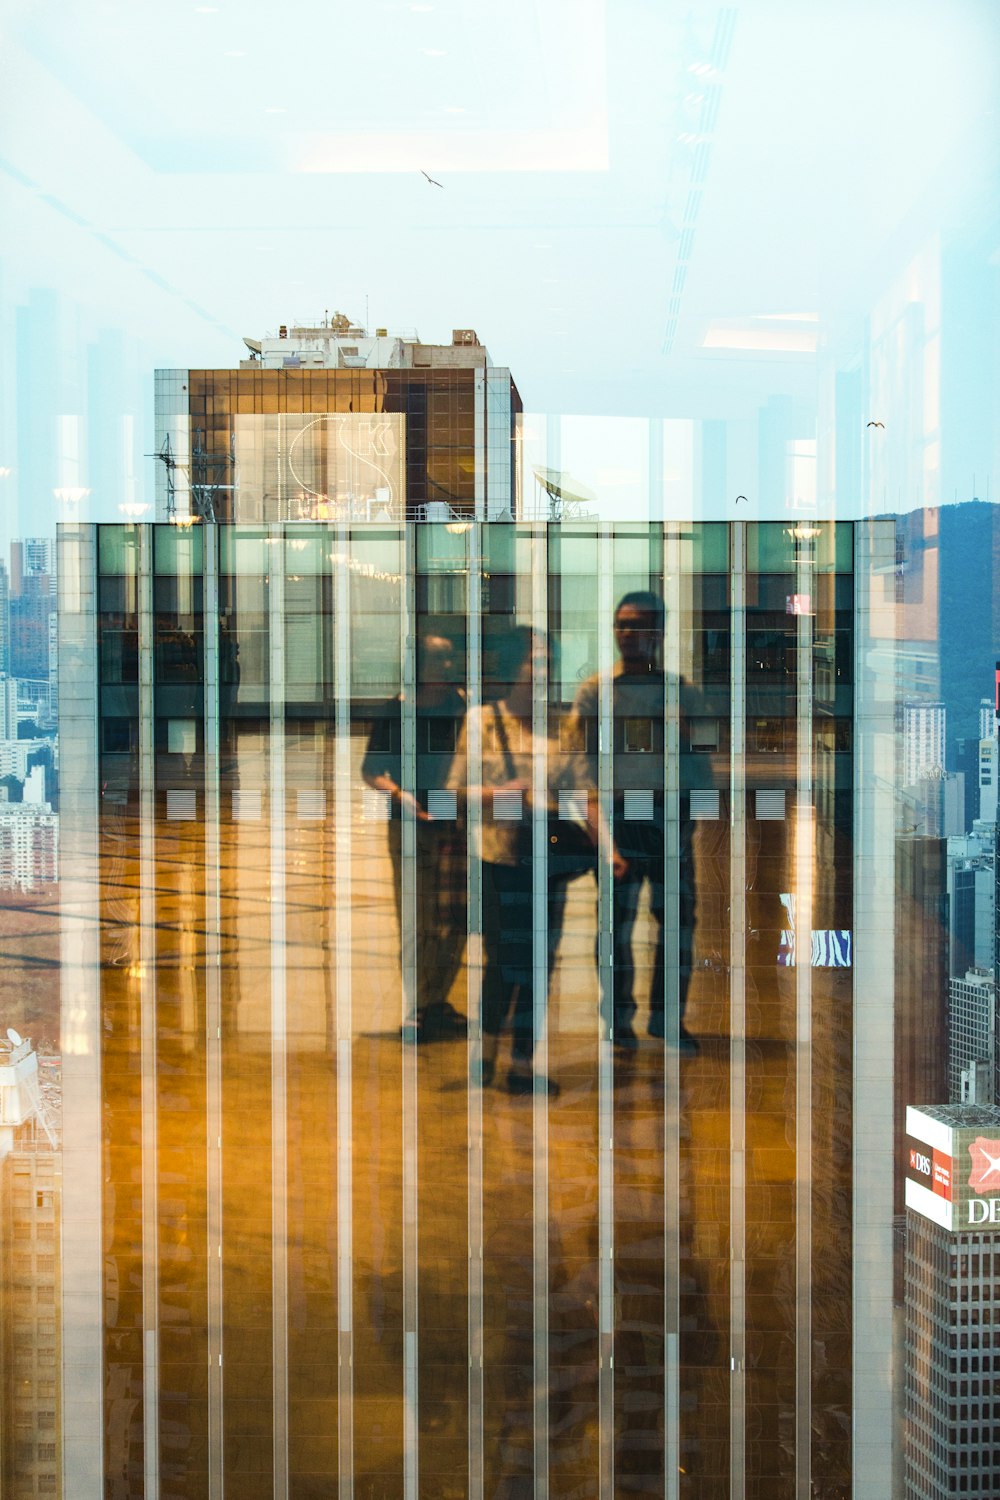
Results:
647 209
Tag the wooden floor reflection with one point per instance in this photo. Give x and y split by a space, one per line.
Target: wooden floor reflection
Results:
665 1248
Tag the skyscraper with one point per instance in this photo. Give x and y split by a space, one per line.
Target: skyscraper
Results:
971 901
32 602
971 1029
4 620
952 1283
923 740
339 1261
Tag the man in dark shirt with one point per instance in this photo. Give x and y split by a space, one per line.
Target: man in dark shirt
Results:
639 779
440 864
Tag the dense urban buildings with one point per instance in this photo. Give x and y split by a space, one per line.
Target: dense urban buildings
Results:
952 1169
29 823
30 1279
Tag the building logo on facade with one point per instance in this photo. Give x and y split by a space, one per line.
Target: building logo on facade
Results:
953 1170
920 1162
985 1174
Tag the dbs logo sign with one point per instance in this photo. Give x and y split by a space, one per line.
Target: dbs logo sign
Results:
985 1174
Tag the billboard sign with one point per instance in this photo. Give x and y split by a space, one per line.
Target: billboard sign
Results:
953 1172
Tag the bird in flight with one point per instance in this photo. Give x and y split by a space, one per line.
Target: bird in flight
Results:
877 424
432 180
741 497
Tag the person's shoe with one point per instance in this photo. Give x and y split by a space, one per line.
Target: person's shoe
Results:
524 1083
484 1066
623 1036
453 1023
483 1072
441 1023
687 1045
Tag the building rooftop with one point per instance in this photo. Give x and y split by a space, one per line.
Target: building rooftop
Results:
962 1116
339 344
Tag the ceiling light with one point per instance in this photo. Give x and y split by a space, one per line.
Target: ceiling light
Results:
433 52
275 109
234 54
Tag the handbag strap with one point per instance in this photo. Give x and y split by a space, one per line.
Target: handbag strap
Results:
510 770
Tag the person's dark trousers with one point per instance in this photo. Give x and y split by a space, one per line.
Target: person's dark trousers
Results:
438 941
641 844
508 971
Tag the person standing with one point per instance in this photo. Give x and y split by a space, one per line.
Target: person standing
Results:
639 778
440 866
505 791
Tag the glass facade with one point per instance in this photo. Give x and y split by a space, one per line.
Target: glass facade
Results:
469 926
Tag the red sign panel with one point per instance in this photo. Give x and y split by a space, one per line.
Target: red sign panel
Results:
941 1179
985 1174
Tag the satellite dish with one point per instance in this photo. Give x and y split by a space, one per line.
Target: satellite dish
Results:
15 1036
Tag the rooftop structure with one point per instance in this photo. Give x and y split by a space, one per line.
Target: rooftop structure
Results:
334 423
337 344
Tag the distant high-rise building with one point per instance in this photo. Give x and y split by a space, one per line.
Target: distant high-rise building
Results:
29 845
971 1027
988 774
53 704
30 1198
334 423
31 557
978 1084
971 902
953 822
14 756
923 740
966 764
8 708
920 986
987 720
32 603
952 1347
4 619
